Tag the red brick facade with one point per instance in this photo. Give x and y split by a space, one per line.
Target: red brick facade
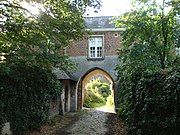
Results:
96 51
111 44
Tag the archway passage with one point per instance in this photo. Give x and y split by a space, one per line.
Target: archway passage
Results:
89 76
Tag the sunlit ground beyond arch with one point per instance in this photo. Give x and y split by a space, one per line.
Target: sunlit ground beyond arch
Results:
109 109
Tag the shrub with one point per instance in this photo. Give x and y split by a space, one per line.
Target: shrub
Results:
110 101
149 102
25 95
93 99
104 90
96 94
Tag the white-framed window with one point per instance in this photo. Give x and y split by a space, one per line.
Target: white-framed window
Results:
95 47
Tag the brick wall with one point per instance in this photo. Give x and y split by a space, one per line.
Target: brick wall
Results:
111 44
80 48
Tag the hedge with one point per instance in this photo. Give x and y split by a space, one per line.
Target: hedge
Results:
25 96
149 102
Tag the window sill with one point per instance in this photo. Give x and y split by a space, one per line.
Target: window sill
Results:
95 59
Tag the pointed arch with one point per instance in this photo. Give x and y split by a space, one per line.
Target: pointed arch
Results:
79 86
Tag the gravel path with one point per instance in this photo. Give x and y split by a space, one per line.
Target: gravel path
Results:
92 123
101 121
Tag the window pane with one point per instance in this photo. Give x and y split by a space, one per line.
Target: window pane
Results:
92 52
99 41
99 51
92 41
95 41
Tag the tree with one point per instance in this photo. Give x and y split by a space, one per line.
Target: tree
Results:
40 39
149 68
30 45
153 28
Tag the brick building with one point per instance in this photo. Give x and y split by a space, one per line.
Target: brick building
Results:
96 55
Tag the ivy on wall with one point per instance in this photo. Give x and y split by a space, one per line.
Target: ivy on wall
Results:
25 96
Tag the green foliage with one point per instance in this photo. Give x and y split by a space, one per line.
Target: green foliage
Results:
25 96
30 46
153 32
82 4
93 99
150 105
96 94
149 73
104 90
39 39
110 101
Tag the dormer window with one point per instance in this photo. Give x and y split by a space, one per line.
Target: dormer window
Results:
95 47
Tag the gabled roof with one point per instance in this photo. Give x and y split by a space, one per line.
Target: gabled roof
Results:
99 22
62 75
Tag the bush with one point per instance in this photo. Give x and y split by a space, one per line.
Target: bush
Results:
96 94
149 102
93 99
104 90
110 101
25 96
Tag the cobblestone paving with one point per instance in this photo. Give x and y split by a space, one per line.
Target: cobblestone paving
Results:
92 123
99 121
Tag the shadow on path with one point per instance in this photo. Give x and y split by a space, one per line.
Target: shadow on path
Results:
99 121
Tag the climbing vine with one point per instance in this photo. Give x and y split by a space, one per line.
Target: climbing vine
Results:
25 96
